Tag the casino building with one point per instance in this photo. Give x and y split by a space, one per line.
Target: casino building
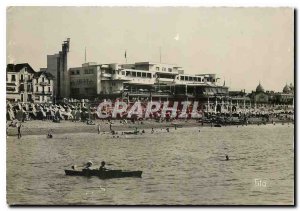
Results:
142 81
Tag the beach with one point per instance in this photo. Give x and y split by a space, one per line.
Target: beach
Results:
40 127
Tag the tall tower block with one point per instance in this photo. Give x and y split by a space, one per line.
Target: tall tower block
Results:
64 80
57 65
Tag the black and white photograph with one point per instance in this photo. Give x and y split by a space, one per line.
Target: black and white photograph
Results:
150 105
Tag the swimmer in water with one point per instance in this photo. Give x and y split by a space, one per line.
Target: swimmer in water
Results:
227 157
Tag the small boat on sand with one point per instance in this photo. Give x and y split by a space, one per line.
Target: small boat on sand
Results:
131 132
108 174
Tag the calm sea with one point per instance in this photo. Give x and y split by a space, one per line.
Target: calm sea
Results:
184 166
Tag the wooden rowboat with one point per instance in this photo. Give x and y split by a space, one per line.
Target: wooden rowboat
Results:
108 174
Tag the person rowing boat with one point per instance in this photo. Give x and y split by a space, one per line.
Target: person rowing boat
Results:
102 167
88 165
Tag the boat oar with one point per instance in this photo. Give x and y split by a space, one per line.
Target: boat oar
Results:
84 165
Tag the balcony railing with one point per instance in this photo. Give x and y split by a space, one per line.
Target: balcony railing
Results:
158 93
43 93
10 83
44 83
108 75
10 89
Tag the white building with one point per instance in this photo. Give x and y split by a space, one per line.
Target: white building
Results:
23 84
42 84
141 79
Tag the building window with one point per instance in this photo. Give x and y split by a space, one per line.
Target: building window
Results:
164 69
13 78
88 71
22 77
157 68
37 80
43 79
170 69
144 75
123 73
182 78
49 81
149 75
37 89
49 90
139 74
77 72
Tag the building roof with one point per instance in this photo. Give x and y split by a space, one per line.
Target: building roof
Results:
152 63
259 88
286 89
47 74
237 93
18 67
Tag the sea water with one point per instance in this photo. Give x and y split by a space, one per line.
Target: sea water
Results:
180 167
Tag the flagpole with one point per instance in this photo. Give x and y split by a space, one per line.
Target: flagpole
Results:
85 55
159 54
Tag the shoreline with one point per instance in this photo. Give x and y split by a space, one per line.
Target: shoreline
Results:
39 127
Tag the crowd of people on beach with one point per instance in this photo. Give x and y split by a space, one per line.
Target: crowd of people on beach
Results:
21 112
57 112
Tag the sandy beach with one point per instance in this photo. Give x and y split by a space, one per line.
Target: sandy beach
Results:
39 127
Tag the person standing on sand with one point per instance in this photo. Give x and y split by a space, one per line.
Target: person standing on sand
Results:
99 129
19 125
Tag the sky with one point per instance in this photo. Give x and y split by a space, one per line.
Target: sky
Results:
243 46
